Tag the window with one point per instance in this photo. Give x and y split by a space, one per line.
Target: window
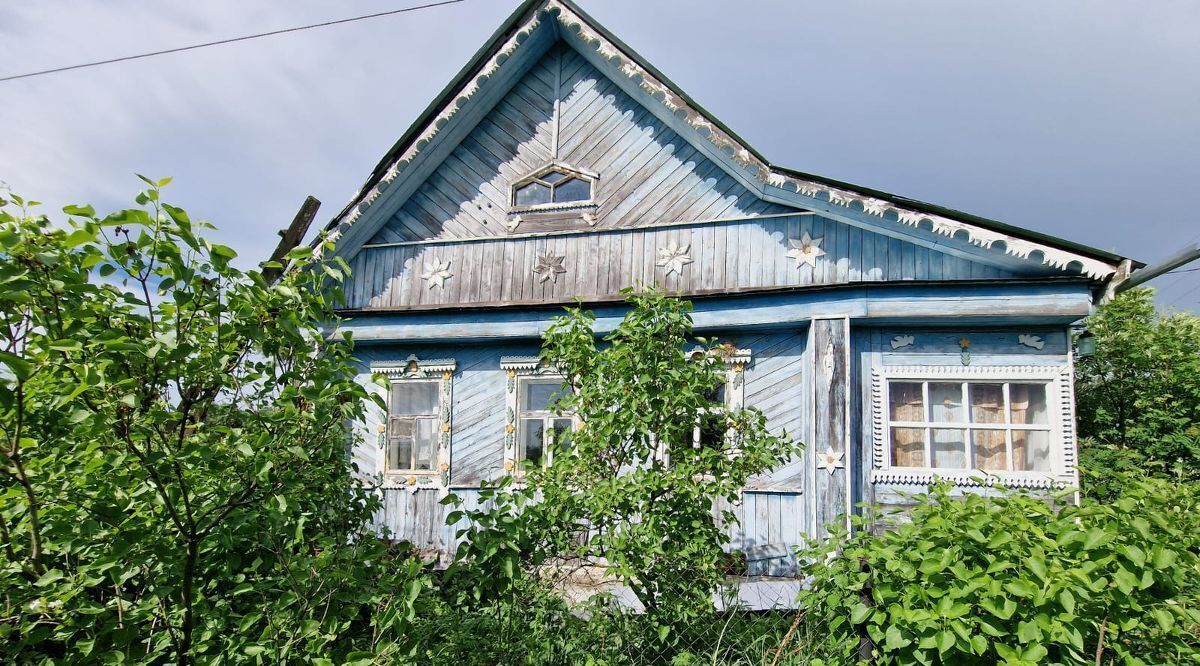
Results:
554 185
540 430
414 437
412 426
1000 421
990 426
534 431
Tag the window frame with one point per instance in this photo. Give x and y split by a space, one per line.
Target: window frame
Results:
1059 426
538 176
413 369
520 370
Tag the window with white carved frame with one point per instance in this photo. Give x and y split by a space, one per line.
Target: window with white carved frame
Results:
556 185
1011 423
728 393
415 437
535 431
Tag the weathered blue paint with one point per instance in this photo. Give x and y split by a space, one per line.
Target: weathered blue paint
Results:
884 291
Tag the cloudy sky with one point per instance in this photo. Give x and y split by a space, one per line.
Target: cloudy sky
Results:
1078 118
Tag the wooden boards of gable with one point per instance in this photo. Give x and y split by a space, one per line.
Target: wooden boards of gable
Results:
647 172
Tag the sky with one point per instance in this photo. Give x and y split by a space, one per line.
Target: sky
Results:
1077 118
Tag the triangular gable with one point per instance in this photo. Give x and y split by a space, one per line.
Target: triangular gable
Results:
636 166
539 24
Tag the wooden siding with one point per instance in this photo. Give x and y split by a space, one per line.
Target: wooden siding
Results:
726 256
647 172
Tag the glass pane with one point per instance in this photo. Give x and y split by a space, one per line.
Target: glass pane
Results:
414 398
990 450
1028 403
532 194
908 447
562 434
572 190
907 403
1031 450
538 394
553 177
400 454
949 448
987 403
717 394
426 444
533 435
945 403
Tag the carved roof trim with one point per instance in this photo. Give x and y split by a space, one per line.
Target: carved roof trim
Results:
1021 243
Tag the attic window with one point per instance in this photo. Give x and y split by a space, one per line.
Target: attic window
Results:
554 186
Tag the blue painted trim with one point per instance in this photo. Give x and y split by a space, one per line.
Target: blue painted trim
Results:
1055 302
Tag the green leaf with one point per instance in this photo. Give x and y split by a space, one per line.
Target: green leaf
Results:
21 368
859 613
1164 618
81 211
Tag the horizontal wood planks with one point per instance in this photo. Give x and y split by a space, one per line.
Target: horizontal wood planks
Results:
727 255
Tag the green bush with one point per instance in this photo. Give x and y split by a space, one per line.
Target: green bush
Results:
1014 580
174 485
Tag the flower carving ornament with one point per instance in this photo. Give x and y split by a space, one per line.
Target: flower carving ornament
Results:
436 273
806 250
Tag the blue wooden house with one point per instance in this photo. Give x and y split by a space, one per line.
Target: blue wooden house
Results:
901 341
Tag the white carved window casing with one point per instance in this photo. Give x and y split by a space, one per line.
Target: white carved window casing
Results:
974 426
415 437
554 186
534 430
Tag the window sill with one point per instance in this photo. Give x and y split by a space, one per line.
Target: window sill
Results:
968 477
424 479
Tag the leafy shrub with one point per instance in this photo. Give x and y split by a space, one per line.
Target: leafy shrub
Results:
175 483
1139 395
1013 580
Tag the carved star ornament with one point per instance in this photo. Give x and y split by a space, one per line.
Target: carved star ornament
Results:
829 459
806 250
549 266
674 257
436 273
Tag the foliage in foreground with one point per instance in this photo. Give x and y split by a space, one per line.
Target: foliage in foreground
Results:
1139 395
173 478
631 495
1013 580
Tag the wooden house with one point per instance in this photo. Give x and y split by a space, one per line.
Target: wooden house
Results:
901 341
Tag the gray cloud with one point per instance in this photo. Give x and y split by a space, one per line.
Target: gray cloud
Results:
1076 118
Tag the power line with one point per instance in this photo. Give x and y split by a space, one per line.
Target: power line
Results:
228 41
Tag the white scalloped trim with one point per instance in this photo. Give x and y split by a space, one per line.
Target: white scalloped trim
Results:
677 105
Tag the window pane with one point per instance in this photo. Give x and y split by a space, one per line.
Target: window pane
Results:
908 447
532 194
990 450
562 434
533 434
426 444
987 403
400 441
717 394
945 403
572 190
949 449
553 177
1031 450
537 395
1028 403
907 404
414 398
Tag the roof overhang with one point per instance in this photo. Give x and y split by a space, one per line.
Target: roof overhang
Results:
528 27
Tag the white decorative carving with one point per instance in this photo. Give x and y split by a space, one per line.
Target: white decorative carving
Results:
806 250
722 140
1059 378
674 257
1031 341
514 222
902 341
830 460
549 266
436 273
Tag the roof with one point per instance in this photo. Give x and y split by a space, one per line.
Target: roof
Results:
1021 242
